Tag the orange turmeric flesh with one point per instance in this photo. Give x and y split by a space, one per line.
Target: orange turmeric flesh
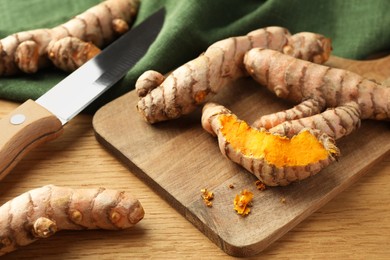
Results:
300 150
242 202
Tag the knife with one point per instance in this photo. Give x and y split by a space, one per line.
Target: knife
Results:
36 122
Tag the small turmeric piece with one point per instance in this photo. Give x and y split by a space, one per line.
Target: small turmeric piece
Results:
85 34
274 159
260 185
195 82
207 197
41 212
242 202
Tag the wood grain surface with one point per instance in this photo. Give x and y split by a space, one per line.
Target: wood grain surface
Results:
354 225
178 159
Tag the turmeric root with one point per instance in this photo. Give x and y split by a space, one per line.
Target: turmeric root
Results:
197 81
352 97
335 122
42 212
349 97
69 53
274 159
30 50
305 109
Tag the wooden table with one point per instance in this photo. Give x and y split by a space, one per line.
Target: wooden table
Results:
354 225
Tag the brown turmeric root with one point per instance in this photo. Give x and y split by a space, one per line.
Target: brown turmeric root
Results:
30 50
305 109
351 96
42 212
198 80
274 159
69 53
336 122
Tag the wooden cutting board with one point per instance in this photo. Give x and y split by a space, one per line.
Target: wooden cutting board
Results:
178 159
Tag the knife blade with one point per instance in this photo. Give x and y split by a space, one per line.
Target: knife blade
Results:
36 122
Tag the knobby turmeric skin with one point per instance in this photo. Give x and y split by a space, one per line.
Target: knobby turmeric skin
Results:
85 34
195 82
349 96
42 212
272 158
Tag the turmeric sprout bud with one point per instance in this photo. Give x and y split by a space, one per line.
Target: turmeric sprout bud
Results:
44 227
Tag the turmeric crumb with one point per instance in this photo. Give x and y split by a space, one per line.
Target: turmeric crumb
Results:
260 185
207 197
242 202
231 186
283 200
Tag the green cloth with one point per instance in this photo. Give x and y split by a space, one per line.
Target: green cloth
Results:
357 28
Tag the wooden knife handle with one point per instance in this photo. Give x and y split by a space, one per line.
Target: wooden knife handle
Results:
23 129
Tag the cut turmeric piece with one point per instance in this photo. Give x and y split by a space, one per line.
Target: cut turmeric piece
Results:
280 151
274 159
242 202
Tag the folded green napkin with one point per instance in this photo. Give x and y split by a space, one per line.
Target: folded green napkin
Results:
357 28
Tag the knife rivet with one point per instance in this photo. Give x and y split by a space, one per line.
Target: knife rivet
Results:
18 119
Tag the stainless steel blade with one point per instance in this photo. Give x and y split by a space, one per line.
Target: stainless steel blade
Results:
79 89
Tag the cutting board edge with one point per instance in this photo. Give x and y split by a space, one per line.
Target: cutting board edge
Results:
187 212
171 200
254 249
227 247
